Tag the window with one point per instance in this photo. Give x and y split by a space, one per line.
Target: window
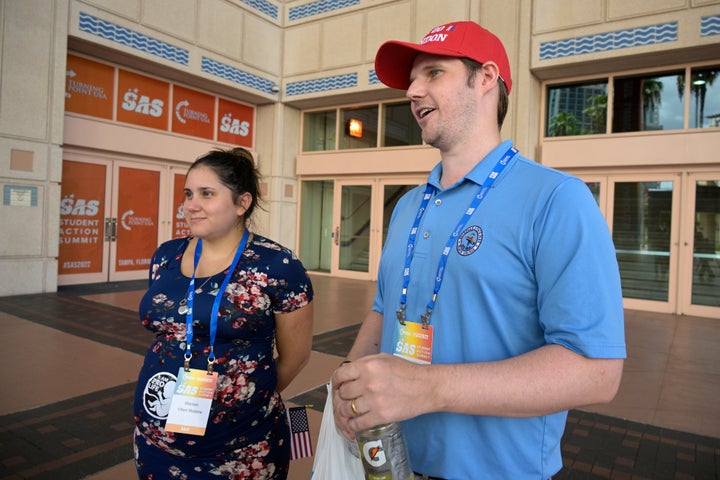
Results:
704 97
653 102
595 190
319 131
640 103
358 127
366 120
399 126
579 109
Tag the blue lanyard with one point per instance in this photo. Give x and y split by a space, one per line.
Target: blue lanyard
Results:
216 302
412 238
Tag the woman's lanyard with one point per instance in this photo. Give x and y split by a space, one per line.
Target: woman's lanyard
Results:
412 238
216 302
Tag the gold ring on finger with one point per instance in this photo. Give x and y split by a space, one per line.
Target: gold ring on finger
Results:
354 408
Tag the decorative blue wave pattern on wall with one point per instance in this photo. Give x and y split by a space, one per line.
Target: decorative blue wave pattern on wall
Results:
264 6
318 7
603 42
213 67
710 26
322 84
130 38
372 77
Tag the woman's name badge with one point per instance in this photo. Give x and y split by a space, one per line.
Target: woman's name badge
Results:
414 342
191 402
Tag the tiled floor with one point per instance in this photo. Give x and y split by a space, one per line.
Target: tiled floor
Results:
70 360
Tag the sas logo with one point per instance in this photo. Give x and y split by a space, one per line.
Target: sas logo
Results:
234 126
469 240
69 205
142 104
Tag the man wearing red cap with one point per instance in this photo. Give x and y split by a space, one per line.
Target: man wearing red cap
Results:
499 304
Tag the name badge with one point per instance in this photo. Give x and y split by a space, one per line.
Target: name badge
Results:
414 342
191 402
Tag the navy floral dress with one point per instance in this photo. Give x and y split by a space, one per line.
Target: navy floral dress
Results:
247 435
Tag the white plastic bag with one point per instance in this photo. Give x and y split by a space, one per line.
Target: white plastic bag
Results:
333 458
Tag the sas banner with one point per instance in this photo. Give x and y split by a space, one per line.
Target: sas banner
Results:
89 87
180 226
82 214
112 93
137 229
194 113
142 100
235 123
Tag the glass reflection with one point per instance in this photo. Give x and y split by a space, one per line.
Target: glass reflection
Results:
595 190
355 228
645 103
704 98
641 232
367 118
319 131
579 109
706 245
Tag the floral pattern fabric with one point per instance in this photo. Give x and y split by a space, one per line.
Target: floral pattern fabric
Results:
247 435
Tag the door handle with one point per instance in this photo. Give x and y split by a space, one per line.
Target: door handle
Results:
337 236
110 229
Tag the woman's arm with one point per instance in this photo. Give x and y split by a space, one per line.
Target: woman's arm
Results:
293 341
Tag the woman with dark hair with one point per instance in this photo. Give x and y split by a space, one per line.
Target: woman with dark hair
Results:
232 315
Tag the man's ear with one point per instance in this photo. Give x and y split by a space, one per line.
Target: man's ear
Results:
490 74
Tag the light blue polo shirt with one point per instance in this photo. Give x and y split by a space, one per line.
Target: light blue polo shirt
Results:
538 267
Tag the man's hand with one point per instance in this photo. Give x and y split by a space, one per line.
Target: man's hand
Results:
383 388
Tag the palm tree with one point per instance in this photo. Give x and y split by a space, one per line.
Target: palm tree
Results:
701 80
597 111
564 123
651 100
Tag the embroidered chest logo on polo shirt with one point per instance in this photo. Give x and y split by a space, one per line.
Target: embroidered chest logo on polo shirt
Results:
469 240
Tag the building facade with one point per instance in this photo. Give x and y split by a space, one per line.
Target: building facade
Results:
105 103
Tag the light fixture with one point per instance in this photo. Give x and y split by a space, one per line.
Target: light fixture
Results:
354 128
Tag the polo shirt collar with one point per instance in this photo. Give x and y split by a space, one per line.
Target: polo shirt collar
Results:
481 170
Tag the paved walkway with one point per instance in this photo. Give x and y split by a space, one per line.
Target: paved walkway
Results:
67 415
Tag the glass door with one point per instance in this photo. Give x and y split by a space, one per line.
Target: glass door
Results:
700 245
645 227
666 230
136 202
85 227
352 229
112 217
316 224
343 223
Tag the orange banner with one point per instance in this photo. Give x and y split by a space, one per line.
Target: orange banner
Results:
235 123
137 229
82 211
193 113
142 100
180 226
89 87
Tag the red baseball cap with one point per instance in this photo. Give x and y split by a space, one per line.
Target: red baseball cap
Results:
394 59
